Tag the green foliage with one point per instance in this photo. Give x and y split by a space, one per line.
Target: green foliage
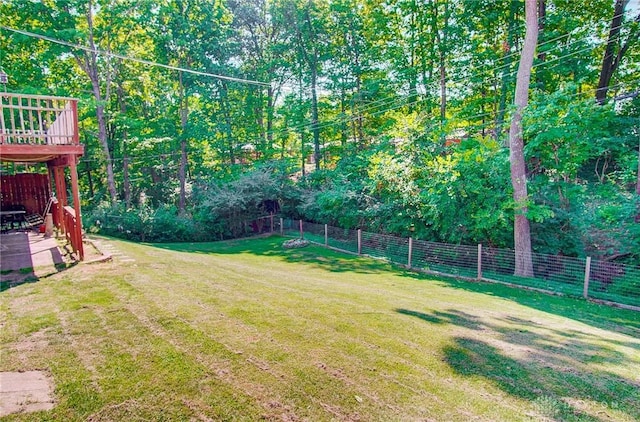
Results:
372 71
146 224
564 131
255 194
583 164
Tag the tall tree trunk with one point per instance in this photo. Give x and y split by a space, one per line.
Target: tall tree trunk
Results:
182 170
358 75
542 20
413 74
506 70
260 150
90 66
90 179
638 177
314 114
126 182
270 106
226 112
443 88
542 17
522 230
611 61
343 114
126 185
442 46
638 181
303 140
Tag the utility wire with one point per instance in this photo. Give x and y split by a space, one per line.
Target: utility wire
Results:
133 59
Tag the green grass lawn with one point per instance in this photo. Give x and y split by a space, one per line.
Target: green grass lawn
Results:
247 330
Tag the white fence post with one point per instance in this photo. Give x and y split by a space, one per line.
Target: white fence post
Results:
301 232
281 226
479 261
410 252
359 242
587 273
326 235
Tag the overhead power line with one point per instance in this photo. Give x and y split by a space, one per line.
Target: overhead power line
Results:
133 59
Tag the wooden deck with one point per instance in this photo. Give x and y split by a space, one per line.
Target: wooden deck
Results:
43 129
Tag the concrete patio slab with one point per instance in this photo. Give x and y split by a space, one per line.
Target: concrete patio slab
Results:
20 250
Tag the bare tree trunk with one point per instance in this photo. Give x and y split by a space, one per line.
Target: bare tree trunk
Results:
343 114
270 107
506 70
90 66
443 88
226 112
442 45
125 181
610 61
638 179
522 230
126 185
182 171
358 97
542 21
90 179
314 115
310 55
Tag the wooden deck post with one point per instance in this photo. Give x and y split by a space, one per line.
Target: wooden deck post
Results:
61 194
76 205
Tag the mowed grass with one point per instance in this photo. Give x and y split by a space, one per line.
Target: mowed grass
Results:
247 330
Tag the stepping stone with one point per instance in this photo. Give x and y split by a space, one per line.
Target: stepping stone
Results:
28 391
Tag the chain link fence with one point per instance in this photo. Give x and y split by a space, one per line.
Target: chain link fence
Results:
593 279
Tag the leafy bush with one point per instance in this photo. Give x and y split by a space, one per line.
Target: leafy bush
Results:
146 224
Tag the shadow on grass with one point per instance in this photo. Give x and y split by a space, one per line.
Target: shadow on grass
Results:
600 316
14 278
556 394
551 368
271 246
597 315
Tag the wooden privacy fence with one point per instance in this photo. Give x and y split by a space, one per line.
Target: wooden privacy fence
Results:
30 190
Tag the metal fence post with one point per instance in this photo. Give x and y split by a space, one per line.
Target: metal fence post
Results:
301 232
281 226
479 261
359 242
271 223
587 274
326 235
410 252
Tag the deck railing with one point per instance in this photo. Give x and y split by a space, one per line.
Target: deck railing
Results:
38 120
